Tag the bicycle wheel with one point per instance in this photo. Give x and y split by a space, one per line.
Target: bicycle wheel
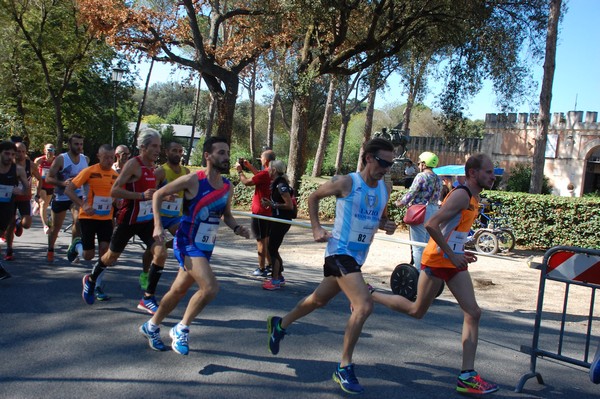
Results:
506 239
486 242
404 281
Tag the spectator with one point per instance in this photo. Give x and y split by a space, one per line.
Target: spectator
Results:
426 189
262 189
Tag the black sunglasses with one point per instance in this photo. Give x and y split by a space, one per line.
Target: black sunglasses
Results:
383 163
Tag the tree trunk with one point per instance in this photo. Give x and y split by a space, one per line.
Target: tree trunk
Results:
541 137
320 155
194 122
341 142
212 109
272 113
141 108
252 97
298 140
368 120
226 108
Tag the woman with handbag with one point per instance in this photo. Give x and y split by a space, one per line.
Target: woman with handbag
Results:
423 197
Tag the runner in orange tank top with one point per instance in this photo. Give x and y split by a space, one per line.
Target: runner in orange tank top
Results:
444 259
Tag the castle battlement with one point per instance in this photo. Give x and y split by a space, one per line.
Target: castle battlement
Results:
573 120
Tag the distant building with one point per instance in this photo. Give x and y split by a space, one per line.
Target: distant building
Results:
183 132
572 152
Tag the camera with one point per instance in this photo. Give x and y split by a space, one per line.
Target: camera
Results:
242 162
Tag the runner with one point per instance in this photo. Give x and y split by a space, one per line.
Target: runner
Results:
208 198
136 184
262 189
64 168
444 260
96 214
45 190
122 156
360 209
11 175
22 202
171 211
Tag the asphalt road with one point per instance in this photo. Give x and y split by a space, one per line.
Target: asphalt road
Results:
53 345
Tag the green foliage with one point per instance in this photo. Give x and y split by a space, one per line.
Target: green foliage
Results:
519 180
538 221
544 221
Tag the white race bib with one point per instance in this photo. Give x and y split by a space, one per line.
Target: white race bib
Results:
45 173
456 241
172 208
206 236
6 193
102 205
145 212
360 237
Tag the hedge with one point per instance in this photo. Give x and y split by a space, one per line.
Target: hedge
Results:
539 222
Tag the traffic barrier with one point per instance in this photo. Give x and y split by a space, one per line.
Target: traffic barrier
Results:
571 266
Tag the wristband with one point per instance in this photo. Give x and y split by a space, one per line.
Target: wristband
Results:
235 229
142 196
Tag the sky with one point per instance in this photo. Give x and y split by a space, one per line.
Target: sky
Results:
576 84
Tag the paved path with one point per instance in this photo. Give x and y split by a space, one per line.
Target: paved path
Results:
52 345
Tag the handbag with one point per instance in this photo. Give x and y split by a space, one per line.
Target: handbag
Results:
415 214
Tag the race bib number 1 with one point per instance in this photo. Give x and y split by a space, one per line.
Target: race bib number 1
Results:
456 241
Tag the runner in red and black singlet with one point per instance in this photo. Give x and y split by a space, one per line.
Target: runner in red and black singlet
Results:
136 185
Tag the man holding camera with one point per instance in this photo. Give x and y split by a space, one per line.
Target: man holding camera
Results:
262 189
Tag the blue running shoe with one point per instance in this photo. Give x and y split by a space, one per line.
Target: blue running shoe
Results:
149 305
347 380
88 290
180 340
276 333
72 251
153 338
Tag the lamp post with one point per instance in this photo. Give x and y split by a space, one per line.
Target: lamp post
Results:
117 76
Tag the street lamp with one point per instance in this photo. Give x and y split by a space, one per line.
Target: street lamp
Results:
117 76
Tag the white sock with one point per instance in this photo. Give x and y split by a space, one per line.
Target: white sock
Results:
152 327
79 249
180 326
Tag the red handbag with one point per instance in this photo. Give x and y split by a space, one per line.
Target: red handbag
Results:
415 214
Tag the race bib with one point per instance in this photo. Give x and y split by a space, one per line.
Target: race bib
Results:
102 205
360 238
206 236
45 173
145 211
456 241
172 208
6 193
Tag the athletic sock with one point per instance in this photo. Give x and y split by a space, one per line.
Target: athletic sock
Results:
153 277
99 267
152 327
180 326
79 249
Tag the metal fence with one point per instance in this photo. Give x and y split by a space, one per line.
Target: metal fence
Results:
571 266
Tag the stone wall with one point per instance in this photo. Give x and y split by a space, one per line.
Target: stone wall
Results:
572 153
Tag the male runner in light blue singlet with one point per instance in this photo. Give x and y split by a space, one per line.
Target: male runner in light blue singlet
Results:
361 208
207 198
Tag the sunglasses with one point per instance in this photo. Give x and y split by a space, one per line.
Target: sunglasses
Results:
50 149
383 163
124 153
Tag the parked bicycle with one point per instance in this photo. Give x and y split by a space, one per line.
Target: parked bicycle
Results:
490 232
